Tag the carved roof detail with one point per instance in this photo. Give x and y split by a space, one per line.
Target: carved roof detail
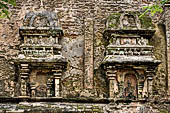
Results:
128 21
41 19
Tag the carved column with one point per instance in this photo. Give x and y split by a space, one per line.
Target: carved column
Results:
49 86
24 73
149 83
57 76
33 87
140 89
113 88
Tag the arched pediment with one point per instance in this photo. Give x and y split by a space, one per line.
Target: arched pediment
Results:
41 19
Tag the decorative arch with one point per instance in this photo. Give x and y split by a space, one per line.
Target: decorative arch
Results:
130 82
131 71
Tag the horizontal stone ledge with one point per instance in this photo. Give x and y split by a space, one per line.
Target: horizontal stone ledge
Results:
110 101
72 100
51 99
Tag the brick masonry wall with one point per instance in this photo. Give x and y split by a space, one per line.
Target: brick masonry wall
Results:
83 22
167 24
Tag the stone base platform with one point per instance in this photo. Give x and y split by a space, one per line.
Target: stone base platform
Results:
79 105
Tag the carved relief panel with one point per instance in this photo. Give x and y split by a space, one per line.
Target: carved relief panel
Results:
138 41
128 21
40 40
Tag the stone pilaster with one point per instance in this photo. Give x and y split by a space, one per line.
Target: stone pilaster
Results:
113 88
149 83
88 53
24 74
49 87
33 87
57 76
140 89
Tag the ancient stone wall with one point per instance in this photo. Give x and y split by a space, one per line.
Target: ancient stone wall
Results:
167 24
83 23
83 45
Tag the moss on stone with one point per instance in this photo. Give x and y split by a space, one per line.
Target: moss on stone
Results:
146 22
23 107
164 111
114 17
114 20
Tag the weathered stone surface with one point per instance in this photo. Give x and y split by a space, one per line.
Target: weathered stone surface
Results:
167 25
7 79
76 108
83 23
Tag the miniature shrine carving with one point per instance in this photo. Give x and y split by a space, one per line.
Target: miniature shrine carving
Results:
129 62
40 63
129 21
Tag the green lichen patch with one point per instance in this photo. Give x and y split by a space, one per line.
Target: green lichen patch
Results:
146 22
113 20
164 111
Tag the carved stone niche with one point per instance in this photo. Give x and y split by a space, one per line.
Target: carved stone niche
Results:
40 63
130 81
129 62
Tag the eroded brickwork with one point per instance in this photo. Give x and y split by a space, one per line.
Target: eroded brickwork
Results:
83 23
167 24
7 78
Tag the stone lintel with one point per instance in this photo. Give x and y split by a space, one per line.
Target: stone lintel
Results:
50 65
148 33
41 31
119 63
23 97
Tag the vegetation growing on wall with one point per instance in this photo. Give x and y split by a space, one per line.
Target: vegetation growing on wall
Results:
4 7
157 7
